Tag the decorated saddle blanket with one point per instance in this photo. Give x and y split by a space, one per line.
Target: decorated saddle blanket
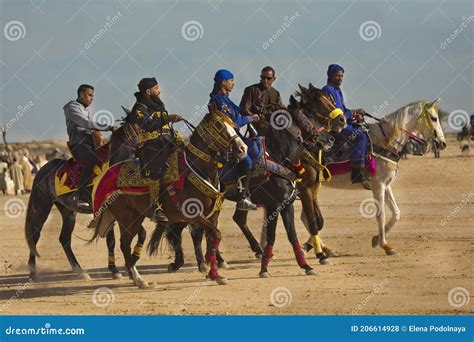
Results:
337 158
67 177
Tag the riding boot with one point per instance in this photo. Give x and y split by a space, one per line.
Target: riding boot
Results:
83 198
158 213
244 202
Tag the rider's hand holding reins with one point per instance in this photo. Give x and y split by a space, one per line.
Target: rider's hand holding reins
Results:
175 117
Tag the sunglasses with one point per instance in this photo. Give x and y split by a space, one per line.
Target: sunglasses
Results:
266 78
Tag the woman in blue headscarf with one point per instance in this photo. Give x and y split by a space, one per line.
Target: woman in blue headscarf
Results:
223 85
351 134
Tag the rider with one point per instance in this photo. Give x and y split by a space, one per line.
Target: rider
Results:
352 134
79 129
223 85
156 142
262 99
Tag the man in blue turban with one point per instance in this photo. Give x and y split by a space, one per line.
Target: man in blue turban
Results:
223 85
352 134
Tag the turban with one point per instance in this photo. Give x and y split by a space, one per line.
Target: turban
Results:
222 75
147 83
333 68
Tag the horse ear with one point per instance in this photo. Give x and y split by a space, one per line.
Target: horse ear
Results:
435 103
303 90
311 86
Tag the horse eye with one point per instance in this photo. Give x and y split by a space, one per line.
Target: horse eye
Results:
434 119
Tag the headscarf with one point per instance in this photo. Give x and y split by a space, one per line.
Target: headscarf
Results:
221 75
147 83
333 68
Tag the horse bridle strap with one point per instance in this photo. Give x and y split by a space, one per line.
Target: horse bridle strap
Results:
198 153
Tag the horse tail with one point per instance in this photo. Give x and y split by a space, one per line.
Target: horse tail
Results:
156 238
40 203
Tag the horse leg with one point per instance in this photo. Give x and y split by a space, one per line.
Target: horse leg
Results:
38 211
110 238
137 250
269 227
174 236
197 233
240 217
213 238
69 221
127 233
379 197
288 217
313 222
390 199
263 233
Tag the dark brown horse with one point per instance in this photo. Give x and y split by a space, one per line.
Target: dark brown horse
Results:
322 113
195 203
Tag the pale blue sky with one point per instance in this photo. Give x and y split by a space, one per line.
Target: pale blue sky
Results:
403 63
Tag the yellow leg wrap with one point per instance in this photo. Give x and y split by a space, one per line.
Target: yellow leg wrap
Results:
137 250
111 259
316 243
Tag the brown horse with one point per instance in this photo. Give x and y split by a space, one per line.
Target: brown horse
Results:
198 201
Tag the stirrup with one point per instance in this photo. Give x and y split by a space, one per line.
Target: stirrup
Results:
246 204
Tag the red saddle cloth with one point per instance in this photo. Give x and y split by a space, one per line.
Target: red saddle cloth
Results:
345 167
68 175
108 184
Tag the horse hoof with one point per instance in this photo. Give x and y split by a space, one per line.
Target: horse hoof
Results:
34 277
221 280
171 268
117 275
375 241
264 275
223 264
324 260
83 276
389 250
329 252
142 284
203 268
310 272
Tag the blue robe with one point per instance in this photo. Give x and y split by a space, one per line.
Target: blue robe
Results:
225 105
351 135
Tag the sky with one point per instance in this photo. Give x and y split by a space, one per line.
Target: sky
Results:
393 52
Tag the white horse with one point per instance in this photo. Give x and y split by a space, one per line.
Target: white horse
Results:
391 133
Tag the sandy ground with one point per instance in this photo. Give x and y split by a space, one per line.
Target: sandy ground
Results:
433 259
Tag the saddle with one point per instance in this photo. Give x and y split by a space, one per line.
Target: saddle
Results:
338 162
67 177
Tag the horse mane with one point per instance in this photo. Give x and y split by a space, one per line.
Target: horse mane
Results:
281 144
397 120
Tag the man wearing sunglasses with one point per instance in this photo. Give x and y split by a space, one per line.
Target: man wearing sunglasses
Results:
261 99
